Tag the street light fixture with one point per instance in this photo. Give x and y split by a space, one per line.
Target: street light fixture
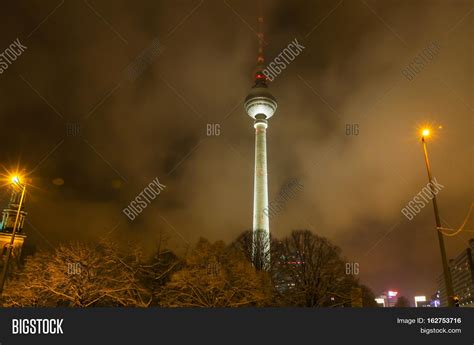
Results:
17 182
425 134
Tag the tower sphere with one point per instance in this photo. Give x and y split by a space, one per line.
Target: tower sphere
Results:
260 101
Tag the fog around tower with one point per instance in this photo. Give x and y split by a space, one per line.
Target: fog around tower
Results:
134 130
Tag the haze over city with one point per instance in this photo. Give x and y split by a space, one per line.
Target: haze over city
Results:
92 136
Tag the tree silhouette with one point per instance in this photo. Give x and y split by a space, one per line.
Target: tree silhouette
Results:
84 275
256 247
402 302
216 276
309 272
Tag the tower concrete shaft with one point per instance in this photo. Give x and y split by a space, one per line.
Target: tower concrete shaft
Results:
261 226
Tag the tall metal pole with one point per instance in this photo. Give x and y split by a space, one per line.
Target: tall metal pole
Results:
446 271
12 240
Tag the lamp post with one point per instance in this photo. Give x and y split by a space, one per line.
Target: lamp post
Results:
16 182
425 133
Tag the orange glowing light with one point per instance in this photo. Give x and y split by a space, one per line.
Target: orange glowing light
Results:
425 132
15 179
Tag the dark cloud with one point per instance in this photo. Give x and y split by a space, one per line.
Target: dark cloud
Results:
154 125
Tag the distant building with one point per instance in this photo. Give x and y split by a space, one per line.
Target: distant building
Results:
9 215
391 298
462 274
435 302
388 299
421 302
380 302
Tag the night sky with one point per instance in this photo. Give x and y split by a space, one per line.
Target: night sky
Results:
93 136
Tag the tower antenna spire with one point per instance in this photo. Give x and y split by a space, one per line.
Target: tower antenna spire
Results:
259 76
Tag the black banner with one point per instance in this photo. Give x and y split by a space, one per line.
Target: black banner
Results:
237 326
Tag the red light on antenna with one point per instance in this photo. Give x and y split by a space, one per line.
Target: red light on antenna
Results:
260 76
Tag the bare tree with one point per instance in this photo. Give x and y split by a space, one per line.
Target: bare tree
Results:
402 302
368 297
159 269
216 276
253 246
83 275
309 272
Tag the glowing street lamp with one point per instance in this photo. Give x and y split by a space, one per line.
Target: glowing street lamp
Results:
425 134
17 182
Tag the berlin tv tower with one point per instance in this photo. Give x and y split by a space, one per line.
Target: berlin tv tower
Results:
260 105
